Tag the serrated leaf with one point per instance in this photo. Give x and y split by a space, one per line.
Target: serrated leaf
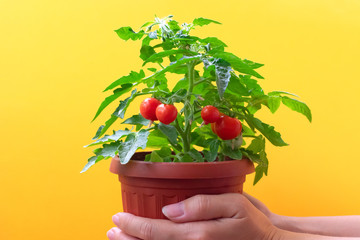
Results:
137 120
157 139
235 86
268 131
131 144
214 42
297 106
110 138
279 93
273 103
127 33
232 153
181 84
160 55
98 132
170 132
121 109
155 157
91 161
223 74
172 67
262 167
117 93
204 21
257 145
132 78
236 63
214 147
146 52
195 154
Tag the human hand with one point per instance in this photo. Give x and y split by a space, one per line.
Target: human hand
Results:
210 217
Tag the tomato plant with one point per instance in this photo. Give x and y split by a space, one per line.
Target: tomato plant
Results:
210 79
166 113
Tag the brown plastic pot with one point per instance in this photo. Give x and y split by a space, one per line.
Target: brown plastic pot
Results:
147 186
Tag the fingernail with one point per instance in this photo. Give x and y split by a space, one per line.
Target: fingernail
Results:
116 219
174 210
110 234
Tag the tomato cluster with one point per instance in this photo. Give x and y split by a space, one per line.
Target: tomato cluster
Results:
222 125
152 109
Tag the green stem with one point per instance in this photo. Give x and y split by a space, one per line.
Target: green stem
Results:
188 114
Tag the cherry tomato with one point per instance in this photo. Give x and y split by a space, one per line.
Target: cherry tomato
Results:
166 113
210 114
213 128
148 108
227 127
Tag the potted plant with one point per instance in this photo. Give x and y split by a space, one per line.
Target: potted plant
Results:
201 126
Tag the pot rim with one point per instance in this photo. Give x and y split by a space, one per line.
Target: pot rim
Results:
182 170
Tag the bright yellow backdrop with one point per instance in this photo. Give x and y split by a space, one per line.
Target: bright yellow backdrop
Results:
57 56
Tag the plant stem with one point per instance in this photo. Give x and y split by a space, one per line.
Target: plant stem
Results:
189 114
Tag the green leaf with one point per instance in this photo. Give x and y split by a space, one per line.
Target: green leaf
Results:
262 167
110 138
196 155
214 42
237 63
235 86
268 131
91 161
232 153
121 109
159 56
252 64
203 21
98 132
146 52
155 157
131 144
170 132
127 33
279 93
186 158
297 106
172 67
222 69
257 145
214 147
162 155
157 139
181 84
108 124
273 103
137 120
117 93
177 96
132 78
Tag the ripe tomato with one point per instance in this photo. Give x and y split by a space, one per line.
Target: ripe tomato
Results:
227 127
166 113
213 128
210 114
148 108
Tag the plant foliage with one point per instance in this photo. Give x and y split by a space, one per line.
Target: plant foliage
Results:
208 75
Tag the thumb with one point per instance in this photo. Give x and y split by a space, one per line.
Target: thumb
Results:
206 207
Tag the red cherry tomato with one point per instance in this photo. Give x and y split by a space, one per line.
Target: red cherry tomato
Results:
148 108
227 127
213 128
166 113
210 114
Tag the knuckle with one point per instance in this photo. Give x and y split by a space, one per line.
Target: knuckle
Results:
202 203
147 230
198 233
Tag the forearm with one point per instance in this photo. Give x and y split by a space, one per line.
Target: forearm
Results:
286 235
340 226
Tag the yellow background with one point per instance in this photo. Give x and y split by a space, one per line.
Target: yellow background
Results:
57 56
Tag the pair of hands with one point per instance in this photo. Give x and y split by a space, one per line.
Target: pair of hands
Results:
211 217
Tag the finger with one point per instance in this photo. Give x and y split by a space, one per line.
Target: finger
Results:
206 207
146 228
116 234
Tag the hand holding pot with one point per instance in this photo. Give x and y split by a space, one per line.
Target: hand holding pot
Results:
226 216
